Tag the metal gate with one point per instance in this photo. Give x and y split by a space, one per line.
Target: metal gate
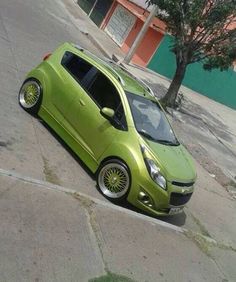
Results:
120 24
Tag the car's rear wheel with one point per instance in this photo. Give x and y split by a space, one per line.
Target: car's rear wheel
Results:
30 96
113 180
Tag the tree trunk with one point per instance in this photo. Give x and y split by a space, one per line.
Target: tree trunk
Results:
169 99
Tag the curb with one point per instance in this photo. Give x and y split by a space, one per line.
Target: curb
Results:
58 188
54 187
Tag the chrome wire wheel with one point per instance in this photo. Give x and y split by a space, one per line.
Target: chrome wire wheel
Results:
29 94
113 180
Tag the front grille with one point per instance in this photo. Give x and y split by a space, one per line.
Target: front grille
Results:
177 199
180 184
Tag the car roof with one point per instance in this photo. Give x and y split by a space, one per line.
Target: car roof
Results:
128 82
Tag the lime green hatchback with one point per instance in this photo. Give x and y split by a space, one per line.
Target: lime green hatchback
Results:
115 124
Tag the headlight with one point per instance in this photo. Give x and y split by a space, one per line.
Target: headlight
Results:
153 169
155 173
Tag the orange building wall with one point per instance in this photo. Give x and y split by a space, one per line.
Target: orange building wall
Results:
147 46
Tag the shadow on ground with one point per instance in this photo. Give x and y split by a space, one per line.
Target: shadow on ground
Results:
68 149
178 220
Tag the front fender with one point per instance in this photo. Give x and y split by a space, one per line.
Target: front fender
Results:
129 152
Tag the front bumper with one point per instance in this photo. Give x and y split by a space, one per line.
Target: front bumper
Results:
146 195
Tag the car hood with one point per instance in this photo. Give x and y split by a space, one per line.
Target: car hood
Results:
176 162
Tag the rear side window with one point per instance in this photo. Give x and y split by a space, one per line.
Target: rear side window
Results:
76 66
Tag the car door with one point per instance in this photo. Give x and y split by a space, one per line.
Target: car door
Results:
93 130
65 78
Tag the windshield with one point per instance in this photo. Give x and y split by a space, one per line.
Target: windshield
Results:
150 120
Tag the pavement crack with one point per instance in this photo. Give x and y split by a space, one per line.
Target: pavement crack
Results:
218 139
88 205
202 228
206 243
221 270
49 173
46 171
4 38
111 277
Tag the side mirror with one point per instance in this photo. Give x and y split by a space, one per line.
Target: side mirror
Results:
107 113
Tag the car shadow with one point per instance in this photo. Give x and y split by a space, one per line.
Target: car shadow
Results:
178 220
68 149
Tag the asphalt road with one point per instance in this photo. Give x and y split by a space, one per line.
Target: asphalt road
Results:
29 30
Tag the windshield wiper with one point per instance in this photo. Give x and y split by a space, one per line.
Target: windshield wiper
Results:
161 141
167 142
147 135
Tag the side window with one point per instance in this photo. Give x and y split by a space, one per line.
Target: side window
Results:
77 67
105 94
96 84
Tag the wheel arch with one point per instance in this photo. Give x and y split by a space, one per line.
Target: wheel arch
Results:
28 78
40 75
36 74
108 158
127 153
114 161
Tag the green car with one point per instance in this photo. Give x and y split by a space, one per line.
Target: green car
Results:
115 124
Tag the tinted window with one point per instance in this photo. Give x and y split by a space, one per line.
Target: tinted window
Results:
96 84
76 66
105 94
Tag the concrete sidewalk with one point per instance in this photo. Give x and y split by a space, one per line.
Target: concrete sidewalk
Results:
48 233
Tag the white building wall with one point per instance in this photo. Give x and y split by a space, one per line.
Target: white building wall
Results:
141 3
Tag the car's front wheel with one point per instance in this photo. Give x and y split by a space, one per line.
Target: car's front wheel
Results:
30 96
113 180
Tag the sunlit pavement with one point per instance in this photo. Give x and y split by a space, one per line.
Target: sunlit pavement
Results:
36 243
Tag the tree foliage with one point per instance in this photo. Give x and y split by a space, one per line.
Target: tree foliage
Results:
203 30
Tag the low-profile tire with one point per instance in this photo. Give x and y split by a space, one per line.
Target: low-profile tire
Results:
30 96
113 180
